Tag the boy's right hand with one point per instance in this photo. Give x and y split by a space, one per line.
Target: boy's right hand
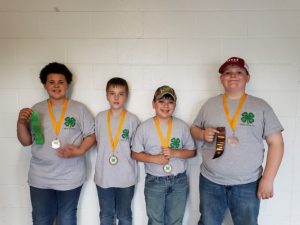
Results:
209 134
24 115
161 159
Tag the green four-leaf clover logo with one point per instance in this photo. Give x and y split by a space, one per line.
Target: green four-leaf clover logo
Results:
70 122
175 143
247 117
125 134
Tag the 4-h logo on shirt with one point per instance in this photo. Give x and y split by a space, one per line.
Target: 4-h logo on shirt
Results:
125 135
70 122
175 143
247 118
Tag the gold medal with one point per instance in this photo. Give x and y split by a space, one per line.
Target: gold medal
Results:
113 160
55 144
233 140
164 141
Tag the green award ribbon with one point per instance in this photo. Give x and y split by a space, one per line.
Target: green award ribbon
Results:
36 128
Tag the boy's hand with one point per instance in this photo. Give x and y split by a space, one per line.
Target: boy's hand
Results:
161 159
167 152
265 189
209 134
24 115
68 151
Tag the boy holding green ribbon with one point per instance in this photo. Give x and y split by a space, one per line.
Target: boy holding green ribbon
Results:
163 143
236 179
116 172
60 131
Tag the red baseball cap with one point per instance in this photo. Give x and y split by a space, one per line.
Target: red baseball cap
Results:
234 61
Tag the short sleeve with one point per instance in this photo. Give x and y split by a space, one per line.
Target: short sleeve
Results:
271 122
138 140
198 122
87 122
187 142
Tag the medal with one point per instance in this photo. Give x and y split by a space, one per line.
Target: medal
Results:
164 141
113 160
55 144
167 168
233 140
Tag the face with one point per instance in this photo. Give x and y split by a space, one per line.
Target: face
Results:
56 86
234 79
164 108
116 97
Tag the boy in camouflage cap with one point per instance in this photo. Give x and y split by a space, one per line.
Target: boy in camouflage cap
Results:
163 143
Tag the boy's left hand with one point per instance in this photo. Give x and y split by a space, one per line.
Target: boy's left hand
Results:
68 151
265 189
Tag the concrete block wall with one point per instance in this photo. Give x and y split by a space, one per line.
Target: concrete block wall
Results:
150 43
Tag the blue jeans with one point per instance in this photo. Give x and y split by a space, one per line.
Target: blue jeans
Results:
115 203
48 204
241 201
166 199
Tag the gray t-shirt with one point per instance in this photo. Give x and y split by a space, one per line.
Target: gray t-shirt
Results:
243 163
124 173
147 140
47 170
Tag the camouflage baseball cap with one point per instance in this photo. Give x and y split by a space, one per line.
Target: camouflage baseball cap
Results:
164 90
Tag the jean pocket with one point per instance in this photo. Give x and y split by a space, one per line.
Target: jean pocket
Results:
150 179
181 183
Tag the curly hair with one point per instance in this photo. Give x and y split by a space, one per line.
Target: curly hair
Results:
55 67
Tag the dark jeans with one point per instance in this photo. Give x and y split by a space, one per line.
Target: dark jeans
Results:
48 204
115 203
241 201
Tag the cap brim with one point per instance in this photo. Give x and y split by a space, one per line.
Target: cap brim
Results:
225 65
167 93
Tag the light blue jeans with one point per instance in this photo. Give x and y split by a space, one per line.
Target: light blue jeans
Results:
166 199
115 203
241 201
48 204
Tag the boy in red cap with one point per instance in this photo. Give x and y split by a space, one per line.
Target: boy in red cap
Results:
234 178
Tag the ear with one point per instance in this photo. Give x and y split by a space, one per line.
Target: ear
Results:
153 104
248 77
220 78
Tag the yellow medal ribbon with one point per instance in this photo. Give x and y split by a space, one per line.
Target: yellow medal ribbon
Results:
57 125
164 141
114 142
232 121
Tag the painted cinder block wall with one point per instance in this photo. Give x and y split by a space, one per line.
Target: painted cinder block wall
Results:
150 43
